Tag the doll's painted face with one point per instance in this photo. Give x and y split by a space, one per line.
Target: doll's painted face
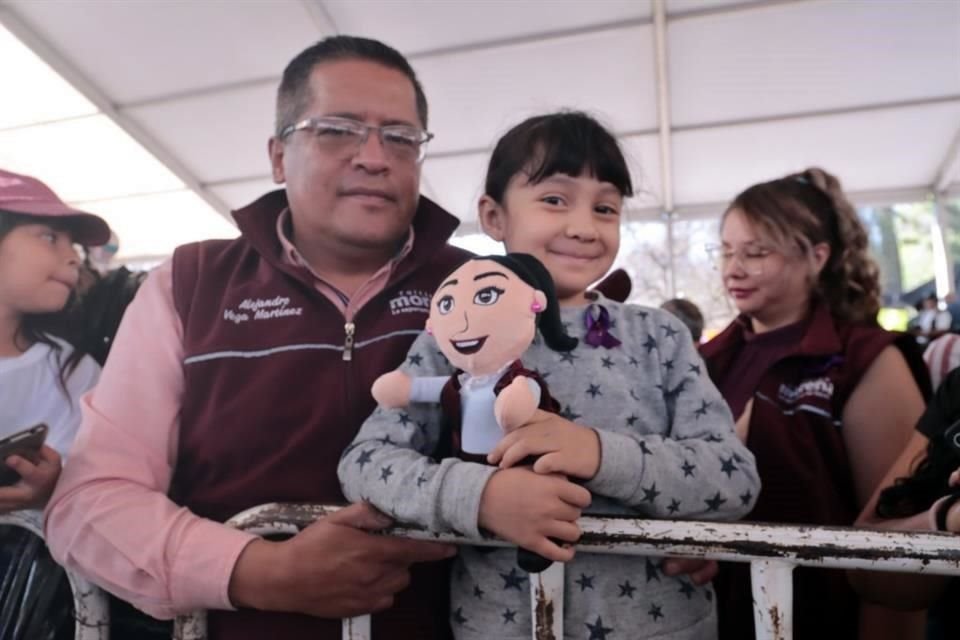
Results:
483 316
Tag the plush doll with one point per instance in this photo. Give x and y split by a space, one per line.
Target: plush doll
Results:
484 316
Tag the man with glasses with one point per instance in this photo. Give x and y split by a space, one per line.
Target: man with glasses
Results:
243 369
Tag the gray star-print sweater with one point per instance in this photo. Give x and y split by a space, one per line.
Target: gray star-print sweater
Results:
668 450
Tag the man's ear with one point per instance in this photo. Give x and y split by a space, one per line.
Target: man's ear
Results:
275 150
491 217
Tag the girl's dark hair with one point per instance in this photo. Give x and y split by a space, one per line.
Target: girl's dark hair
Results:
40 327
532 271
807 208
568 142
928 483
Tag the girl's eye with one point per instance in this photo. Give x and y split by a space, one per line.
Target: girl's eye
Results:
445 305
488 296
606 209
49 236
552 200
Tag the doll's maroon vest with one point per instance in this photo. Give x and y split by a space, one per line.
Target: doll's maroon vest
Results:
270 402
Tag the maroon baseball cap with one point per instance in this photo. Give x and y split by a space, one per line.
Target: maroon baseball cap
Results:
29 196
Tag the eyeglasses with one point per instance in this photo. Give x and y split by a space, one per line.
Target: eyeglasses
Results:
343 136
749 257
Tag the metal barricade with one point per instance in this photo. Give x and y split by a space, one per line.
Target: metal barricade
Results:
91 609
773 551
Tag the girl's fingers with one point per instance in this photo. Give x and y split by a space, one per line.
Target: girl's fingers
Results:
955 478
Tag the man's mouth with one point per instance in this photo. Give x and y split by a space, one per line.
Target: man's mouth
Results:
368 193
468 347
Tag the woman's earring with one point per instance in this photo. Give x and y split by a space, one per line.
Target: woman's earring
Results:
536 307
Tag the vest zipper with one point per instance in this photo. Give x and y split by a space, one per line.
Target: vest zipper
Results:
348 330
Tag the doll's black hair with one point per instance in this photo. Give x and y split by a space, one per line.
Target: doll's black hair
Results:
532 271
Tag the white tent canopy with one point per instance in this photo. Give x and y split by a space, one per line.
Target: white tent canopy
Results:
716 96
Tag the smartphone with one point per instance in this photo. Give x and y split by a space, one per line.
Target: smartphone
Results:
952 436
24 443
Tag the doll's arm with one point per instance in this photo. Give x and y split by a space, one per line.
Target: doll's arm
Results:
396 389
516 404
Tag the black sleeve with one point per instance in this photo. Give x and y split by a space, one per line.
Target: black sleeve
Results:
944 409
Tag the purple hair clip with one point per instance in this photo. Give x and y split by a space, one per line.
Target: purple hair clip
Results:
598 328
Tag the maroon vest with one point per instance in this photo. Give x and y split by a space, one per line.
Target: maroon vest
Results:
270 402
796 434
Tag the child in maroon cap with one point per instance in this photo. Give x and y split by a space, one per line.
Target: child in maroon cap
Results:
42 374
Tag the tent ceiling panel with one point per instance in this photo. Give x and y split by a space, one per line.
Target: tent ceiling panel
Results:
144 223
242 193
477 96
73 171
220 136
143 50
811 56
50 96
890 149
440 24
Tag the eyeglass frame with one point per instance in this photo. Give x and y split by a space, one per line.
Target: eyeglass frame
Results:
721 257
310 124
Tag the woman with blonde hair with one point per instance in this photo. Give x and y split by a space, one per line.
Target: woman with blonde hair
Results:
824 397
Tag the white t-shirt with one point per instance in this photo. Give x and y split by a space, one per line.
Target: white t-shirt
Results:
30 393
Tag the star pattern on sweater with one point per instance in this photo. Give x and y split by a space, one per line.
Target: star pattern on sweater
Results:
687 589
593 390
694 368
655 612
688 468
626 590
569 414
404 419
668 365
702 411
650 344
477 591
365 457
650 494
386 472
509 616
728 467
597 630
458 617
634 362
674 506
415 360
652 570
513 580
714 503
585 582
606 362
420 480
745 498
568 357
669 331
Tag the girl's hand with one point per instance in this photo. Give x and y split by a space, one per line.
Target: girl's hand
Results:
37 481
534 511
562 446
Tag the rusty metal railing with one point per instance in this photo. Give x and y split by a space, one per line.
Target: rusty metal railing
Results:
773 551
91 611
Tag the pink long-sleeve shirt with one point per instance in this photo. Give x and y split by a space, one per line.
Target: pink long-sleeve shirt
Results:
110 518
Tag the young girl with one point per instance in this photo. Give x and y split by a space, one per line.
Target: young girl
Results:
41 375
642 429
825 398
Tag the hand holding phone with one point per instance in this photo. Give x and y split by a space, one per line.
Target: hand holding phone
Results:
25 444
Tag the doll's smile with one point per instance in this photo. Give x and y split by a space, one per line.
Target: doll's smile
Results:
468 347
